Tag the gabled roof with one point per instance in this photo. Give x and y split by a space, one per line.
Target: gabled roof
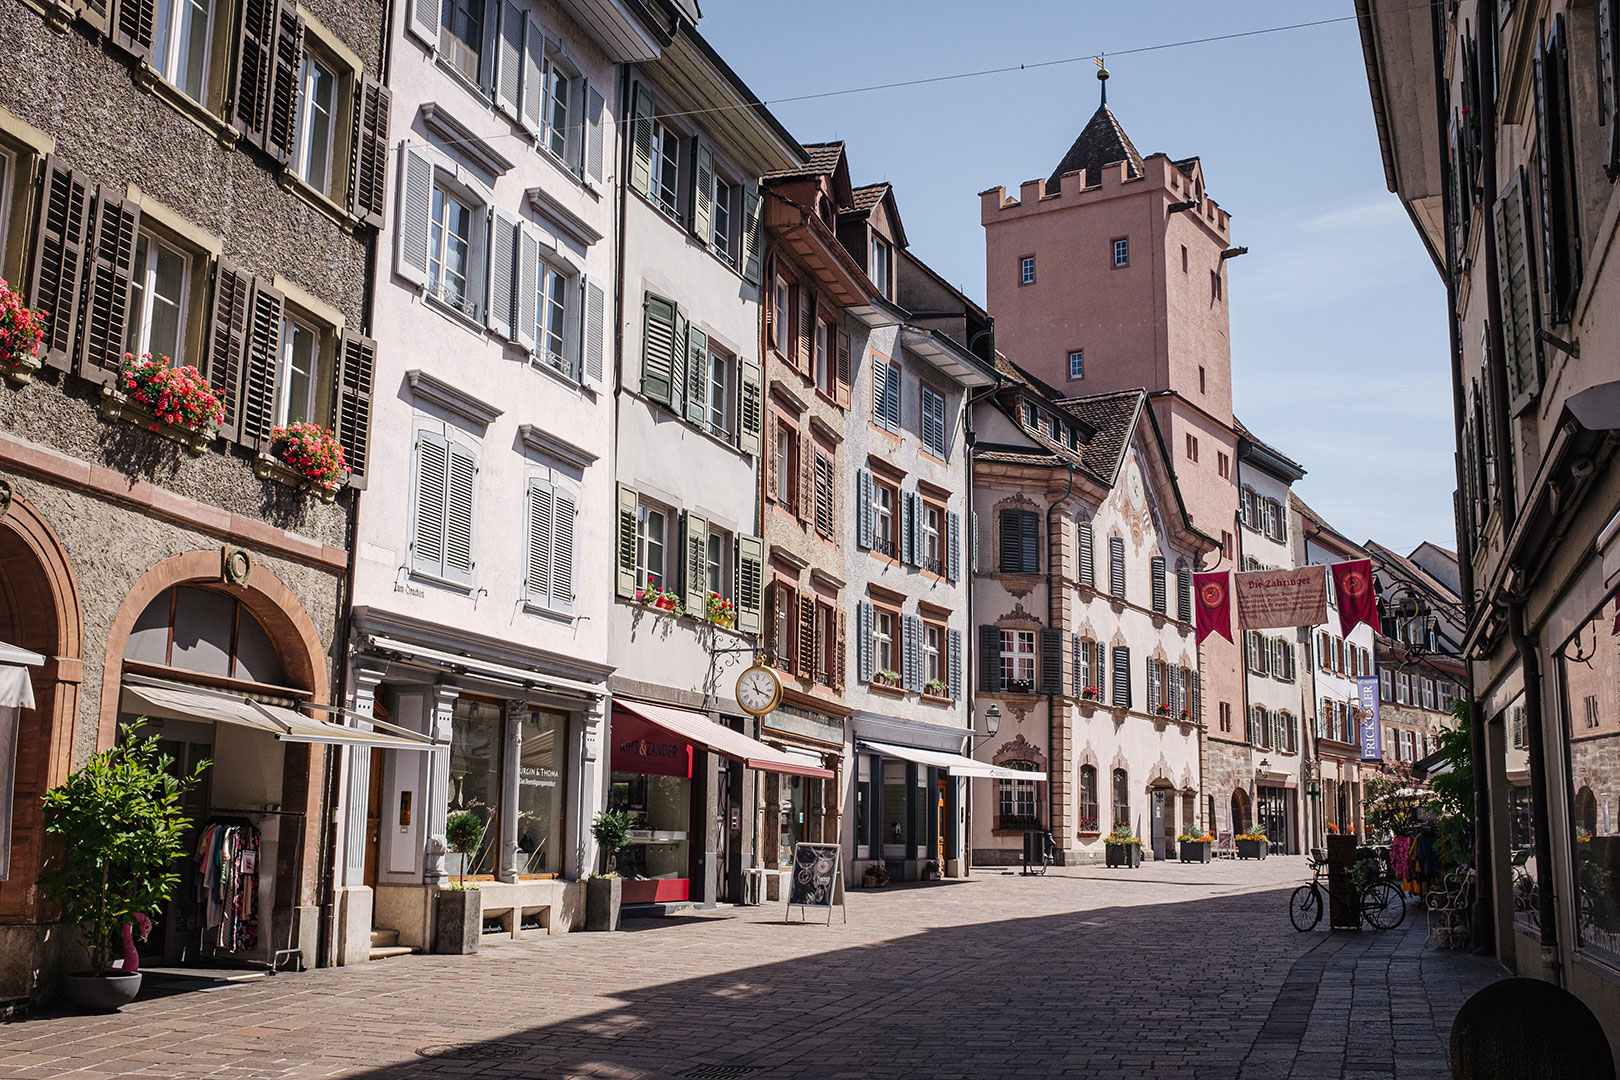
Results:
1266 456
1113 417
1412 571
820 159
864 198
1101 142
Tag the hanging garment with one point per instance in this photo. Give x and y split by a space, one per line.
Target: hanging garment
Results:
228 884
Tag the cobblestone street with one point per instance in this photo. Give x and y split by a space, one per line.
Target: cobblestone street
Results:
1169 971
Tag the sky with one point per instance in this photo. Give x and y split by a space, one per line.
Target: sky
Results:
1339 348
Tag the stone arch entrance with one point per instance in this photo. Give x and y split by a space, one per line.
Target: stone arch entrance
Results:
1242 815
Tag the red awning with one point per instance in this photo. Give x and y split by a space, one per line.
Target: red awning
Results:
697 727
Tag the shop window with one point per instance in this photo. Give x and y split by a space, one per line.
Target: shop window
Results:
1088 799
542 772
1589 675
477 740
657 865
863 806
1016 804
207 632
896 797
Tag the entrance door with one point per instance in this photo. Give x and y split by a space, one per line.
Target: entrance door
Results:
939 839
1271 816
725 827
374 817
1158 824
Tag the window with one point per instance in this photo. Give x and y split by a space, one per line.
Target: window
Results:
825 515
1122 798
787 464
450 250
886 394
666 168
782 626
933 422
782 317
296 381
651 535
1026 270
879 266
1589 705
1215 285
1018 660
1338 655
1223 465
1201 384
157 299
442 538
1077 364
1404 689
719 394
1428 693
1122 676
1122 253
828 653
823 349
557 87
715 561
1226 716
1088 800
1116 566
886 523
725 211
180 44
461 35
551 317
933 645
317 105
1184 263
1192 447
933 526
883 629
1016 804
549 580
1226 544
1086 554
1020 542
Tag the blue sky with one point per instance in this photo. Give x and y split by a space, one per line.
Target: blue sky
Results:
1338 317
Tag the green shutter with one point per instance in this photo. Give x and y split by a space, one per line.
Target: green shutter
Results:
750 238
641 135
750 584
751 406
697 376
625 568
678 366
1516 282
695 563
658 344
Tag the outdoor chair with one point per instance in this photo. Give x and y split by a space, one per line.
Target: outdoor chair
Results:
1527 1029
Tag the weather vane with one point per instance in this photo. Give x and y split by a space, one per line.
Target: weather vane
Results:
1102 75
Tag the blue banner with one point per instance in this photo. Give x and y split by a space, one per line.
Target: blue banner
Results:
1371 730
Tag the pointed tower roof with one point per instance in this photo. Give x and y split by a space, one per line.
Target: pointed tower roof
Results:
1102 142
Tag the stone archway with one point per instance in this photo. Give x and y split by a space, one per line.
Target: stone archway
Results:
1242 815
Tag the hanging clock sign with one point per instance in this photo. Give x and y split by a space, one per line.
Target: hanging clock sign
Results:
759 689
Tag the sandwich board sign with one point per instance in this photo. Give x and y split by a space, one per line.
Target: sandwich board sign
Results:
816 880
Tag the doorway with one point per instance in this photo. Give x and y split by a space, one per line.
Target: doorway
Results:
374 817
1272 818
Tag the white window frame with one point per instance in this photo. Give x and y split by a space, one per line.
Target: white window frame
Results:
782 315
883 518
168 50
722 222
881 251
884 625
1026 270
479 51
933 645
645 541
932 524
147 275
556 70
439 236
1122 253
284 412
666 197
719 543
1077 365
1017 657
784 462
721 395
549 272
306 121
8 186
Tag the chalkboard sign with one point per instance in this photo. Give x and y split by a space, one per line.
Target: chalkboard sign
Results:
817 870
1223 845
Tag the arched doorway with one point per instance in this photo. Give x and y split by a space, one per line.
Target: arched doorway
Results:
1240 811
1586 811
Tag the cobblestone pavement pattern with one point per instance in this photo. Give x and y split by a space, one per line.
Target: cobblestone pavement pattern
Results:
1166 971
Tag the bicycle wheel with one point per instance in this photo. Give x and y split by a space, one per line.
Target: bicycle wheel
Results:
1383 905
1305 907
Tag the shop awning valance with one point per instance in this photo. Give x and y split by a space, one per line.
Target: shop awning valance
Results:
16 689
697 727
955 764
487 669
174 702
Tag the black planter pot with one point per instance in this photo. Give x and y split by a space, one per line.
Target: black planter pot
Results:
1128 856
1194 850
603 897
107 993
1253 849
461 921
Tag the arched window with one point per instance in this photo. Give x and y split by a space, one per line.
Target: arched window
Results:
207 632
1122 798
1586 812
1016 804
1088 799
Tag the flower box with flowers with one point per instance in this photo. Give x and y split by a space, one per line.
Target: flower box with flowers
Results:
1186 716
1253 845
1122 848
1087 826
175 402
1088 693
1018 686
720 611
659 598
305 456
885 677
1194 847
1161 709
21 331
936 688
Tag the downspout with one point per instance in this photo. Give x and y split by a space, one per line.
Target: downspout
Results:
1243 666
1547 911
1506 491
970 657
1051 621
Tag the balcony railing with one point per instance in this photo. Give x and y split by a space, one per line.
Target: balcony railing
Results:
883 546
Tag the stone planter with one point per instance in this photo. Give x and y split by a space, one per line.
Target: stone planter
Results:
1194 850
117 406
269 468
1253 849
461 921
21 372
108 993
1128 856
603 898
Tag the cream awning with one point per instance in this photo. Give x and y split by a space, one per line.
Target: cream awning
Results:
955 764
16 688
172 701
697 727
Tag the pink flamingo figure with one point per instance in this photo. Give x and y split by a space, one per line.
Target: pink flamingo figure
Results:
132 958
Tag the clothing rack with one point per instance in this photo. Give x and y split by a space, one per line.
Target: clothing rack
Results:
279 955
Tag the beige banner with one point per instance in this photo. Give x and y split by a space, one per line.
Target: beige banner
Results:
1271 599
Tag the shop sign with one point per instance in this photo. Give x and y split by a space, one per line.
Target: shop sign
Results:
641 747
1367 689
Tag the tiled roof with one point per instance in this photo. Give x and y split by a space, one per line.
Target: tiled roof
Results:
1412 570
1239 427
1102 142
868 196
823 160
1114 418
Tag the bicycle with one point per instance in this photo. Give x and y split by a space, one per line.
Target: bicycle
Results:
1380 905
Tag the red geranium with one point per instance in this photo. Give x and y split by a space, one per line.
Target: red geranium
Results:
312 452
176 395
21 327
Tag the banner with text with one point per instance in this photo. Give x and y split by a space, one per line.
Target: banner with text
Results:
1370 733
1271 599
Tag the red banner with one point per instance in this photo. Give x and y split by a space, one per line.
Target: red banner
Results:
1358 600
1213 603
1271 599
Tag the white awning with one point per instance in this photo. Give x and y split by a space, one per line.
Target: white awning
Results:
16 688
174 702
697 727
955 764
485 668
10 654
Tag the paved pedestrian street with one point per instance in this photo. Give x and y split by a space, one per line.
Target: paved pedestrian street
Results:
1166 971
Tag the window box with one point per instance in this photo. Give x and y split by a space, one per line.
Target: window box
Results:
268 468
312 454
935 688
1127 855
1018 686
117 406
1088 706
660 600
1249 847
886 678
1194 850
20 372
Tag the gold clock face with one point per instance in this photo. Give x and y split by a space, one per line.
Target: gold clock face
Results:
759 690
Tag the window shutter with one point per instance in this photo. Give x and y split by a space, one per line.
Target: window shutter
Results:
677 377
351 421
695 563
750 583
908 528
595 348
1116 566
260 365
1152 675
837 669
697 376
953 664
880 376
805 354
806 629
368 158
824 495
1516 283
594 106
529 77
702 216
256 30
658 344
1122 675
525 287
1099 677
989 659
750 235
500 314
841 371
953 545
432 469
574 326
564 511
1160 586
135 22
1184 594
424 21
477 297
281 124
109 272
864 658
95 13
891 399
460 508
56 270
1545 165
1079 651
537 579
624 570
1051 660
641 136
1088 556
511 87
415 214
908 647
1030 523
866 510
805 509
1608 25
227 341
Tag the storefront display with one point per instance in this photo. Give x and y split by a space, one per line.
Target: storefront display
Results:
652 781
1589 688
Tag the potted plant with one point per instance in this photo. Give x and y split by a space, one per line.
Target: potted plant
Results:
123 832
721 612
604 892
21 331
1123 848
1088 826
875 876
1252 845
461 909
175 402
1194 847
1186 716
309 452
1161 709
936 688
1020 686
660 598
931 871
1088 693
885 677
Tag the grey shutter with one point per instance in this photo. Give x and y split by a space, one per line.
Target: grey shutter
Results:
866 511
424 21
658 344
677 375
109 270
953 664
750 235
525 288
1011 550
1088 555
595 348
1077 649
750 584
953 545
641 136
864 658
1184 594
594 105
477 297
133 28
911 640
427 536
695 563
510 59
281 126
697 376
1160 587
351 411
537 578
460 514
751 408
56 271
1515 280
564 511
989 658
1030 540
227 341
908 528
624 570
1150 672
1051 660
415 214
973 542
574 326
1099 677
261 364
368 159
1122 675
500 314
880 375
702 216
256 29
1116 566
532 99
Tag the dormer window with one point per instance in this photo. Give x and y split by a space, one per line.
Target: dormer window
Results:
1029 415
879 266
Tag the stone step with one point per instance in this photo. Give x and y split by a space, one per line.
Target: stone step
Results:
381 939
384 952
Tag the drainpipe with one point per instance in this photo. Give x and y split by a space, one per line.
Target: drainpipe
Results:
1530 661
1051 620
1243 666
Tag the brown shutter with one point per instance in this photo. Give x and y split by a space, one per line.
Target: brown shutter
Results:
135 20
260 363
807 474
109 272
281 126
255 45
807 636
769 454
351 420
227 340
95 12
837 666
807 331
842 371
369 153
56 271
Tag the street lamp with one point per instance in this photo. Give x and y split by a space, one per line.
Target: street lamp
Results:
992 719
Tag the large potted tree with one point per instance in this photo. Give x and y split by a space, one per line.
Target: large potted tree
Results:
604 891
123 831
461 909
